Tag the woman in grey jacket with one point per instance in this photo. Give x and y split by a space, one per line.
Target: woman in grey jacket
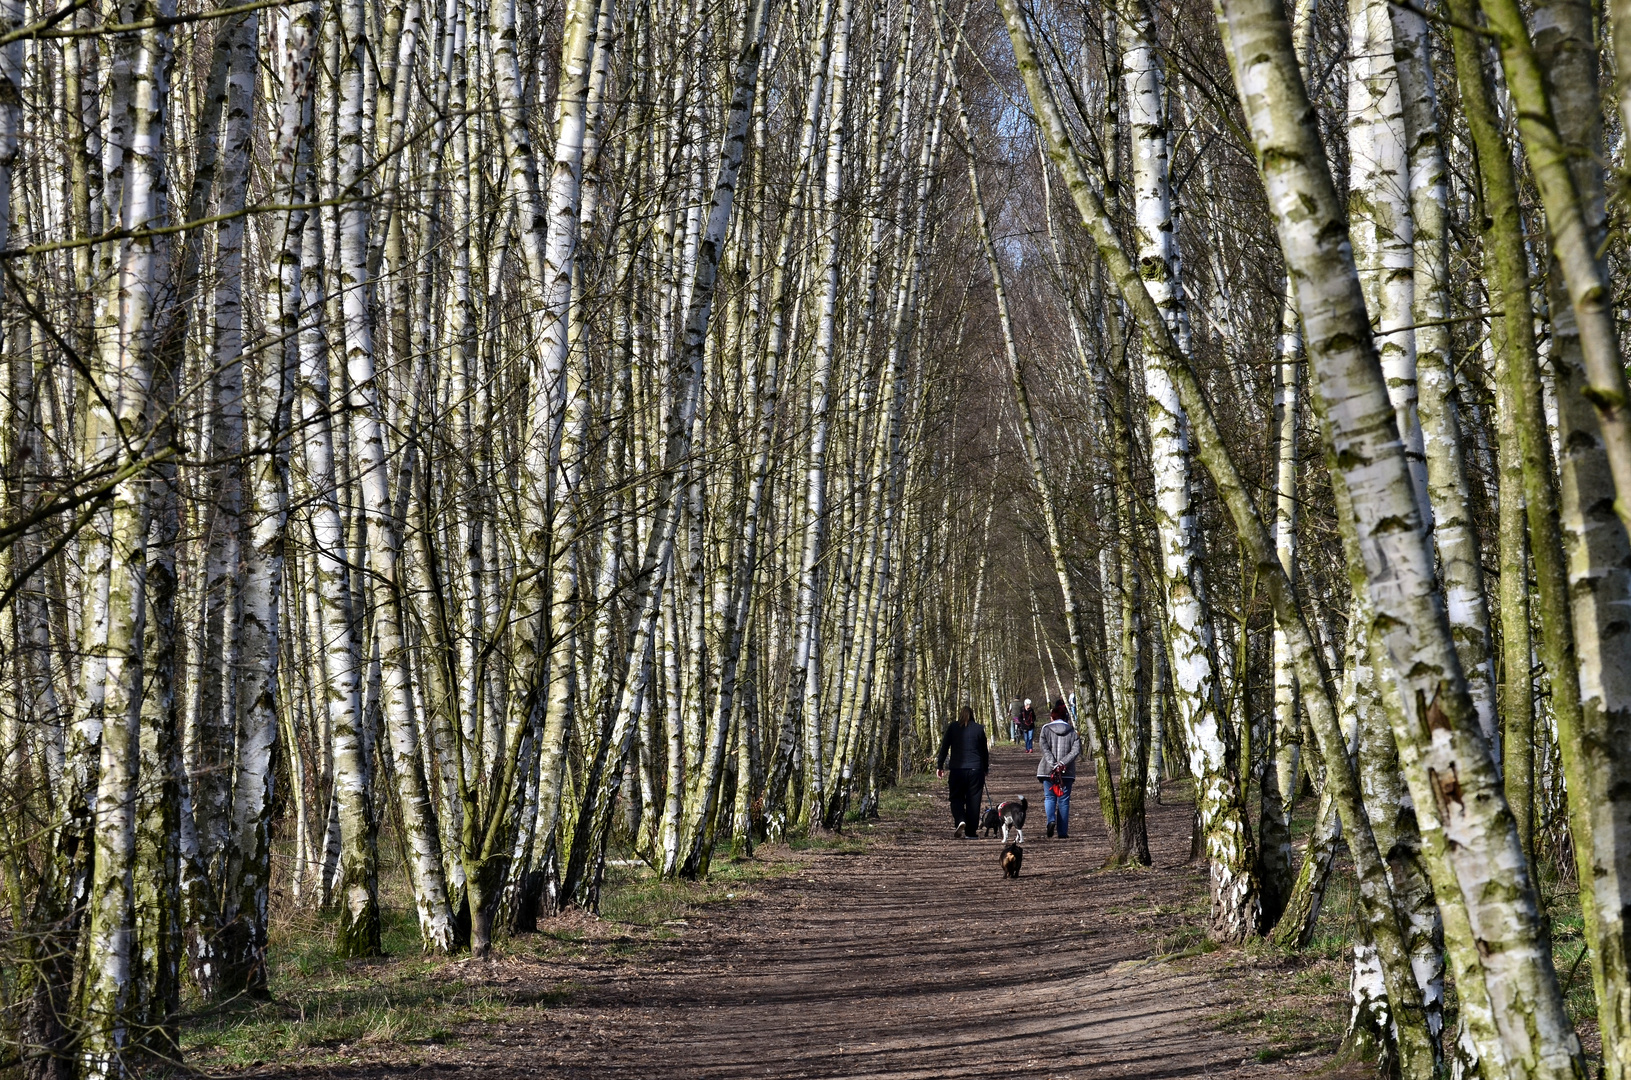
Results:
1061 746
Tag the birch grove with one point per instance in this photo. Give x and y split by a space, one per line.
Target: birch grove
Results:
457 449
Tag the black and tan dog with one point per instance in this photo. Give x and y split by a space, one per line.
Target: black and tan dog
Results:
1013 857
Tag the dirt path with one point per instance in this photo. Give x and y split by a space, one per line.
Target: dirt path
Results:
915 959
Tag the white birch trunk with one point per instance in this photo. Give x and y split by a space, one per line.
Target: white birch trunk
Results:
589 844
1377 909
341 695
809 649
125 378
369 454
1383 229
1236 904
1445 758
1454 529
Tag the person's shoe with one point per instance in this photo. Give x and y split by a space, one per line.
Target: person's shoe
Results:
1050 830
961 831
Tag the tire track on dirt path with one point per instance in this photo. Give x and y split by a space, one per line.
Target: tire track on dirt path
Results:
914 959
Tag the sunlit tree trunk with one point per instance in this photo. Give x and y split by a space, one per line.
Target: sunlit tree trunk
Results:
1553 81
809 648
1594 468
1382 230
1298 923
1445 758
1236 903
563 426
581 880
368 451
341 696
1454 530
125 378
1280 790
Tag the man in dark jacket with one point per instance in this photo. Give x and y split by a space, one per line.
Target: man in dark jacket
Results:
963 749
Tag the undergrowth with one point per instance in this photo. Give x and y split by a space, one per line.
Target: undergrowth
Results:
1294 1003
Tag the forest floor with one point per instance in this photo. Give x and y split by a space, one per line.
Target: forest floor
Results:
897 951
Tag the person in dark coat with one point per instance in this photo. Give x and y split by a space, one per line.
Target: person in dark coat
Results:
1027 725
964 752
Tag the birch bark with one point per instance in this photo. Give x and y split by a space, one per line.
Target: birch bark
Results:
364 401
1454 530
239 960
1236 899
126 373
1554 85
214 726
1280 790
791 740
580 882
1382 231
341 698
563 425
1446 761
1552 78
809 649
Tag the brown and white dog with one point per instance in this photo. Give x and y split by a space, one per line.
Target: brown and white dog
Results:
1012 816
1006 816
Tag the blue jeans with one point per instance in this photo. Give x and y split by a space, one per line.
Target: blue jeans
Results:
1057 807
1029 734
